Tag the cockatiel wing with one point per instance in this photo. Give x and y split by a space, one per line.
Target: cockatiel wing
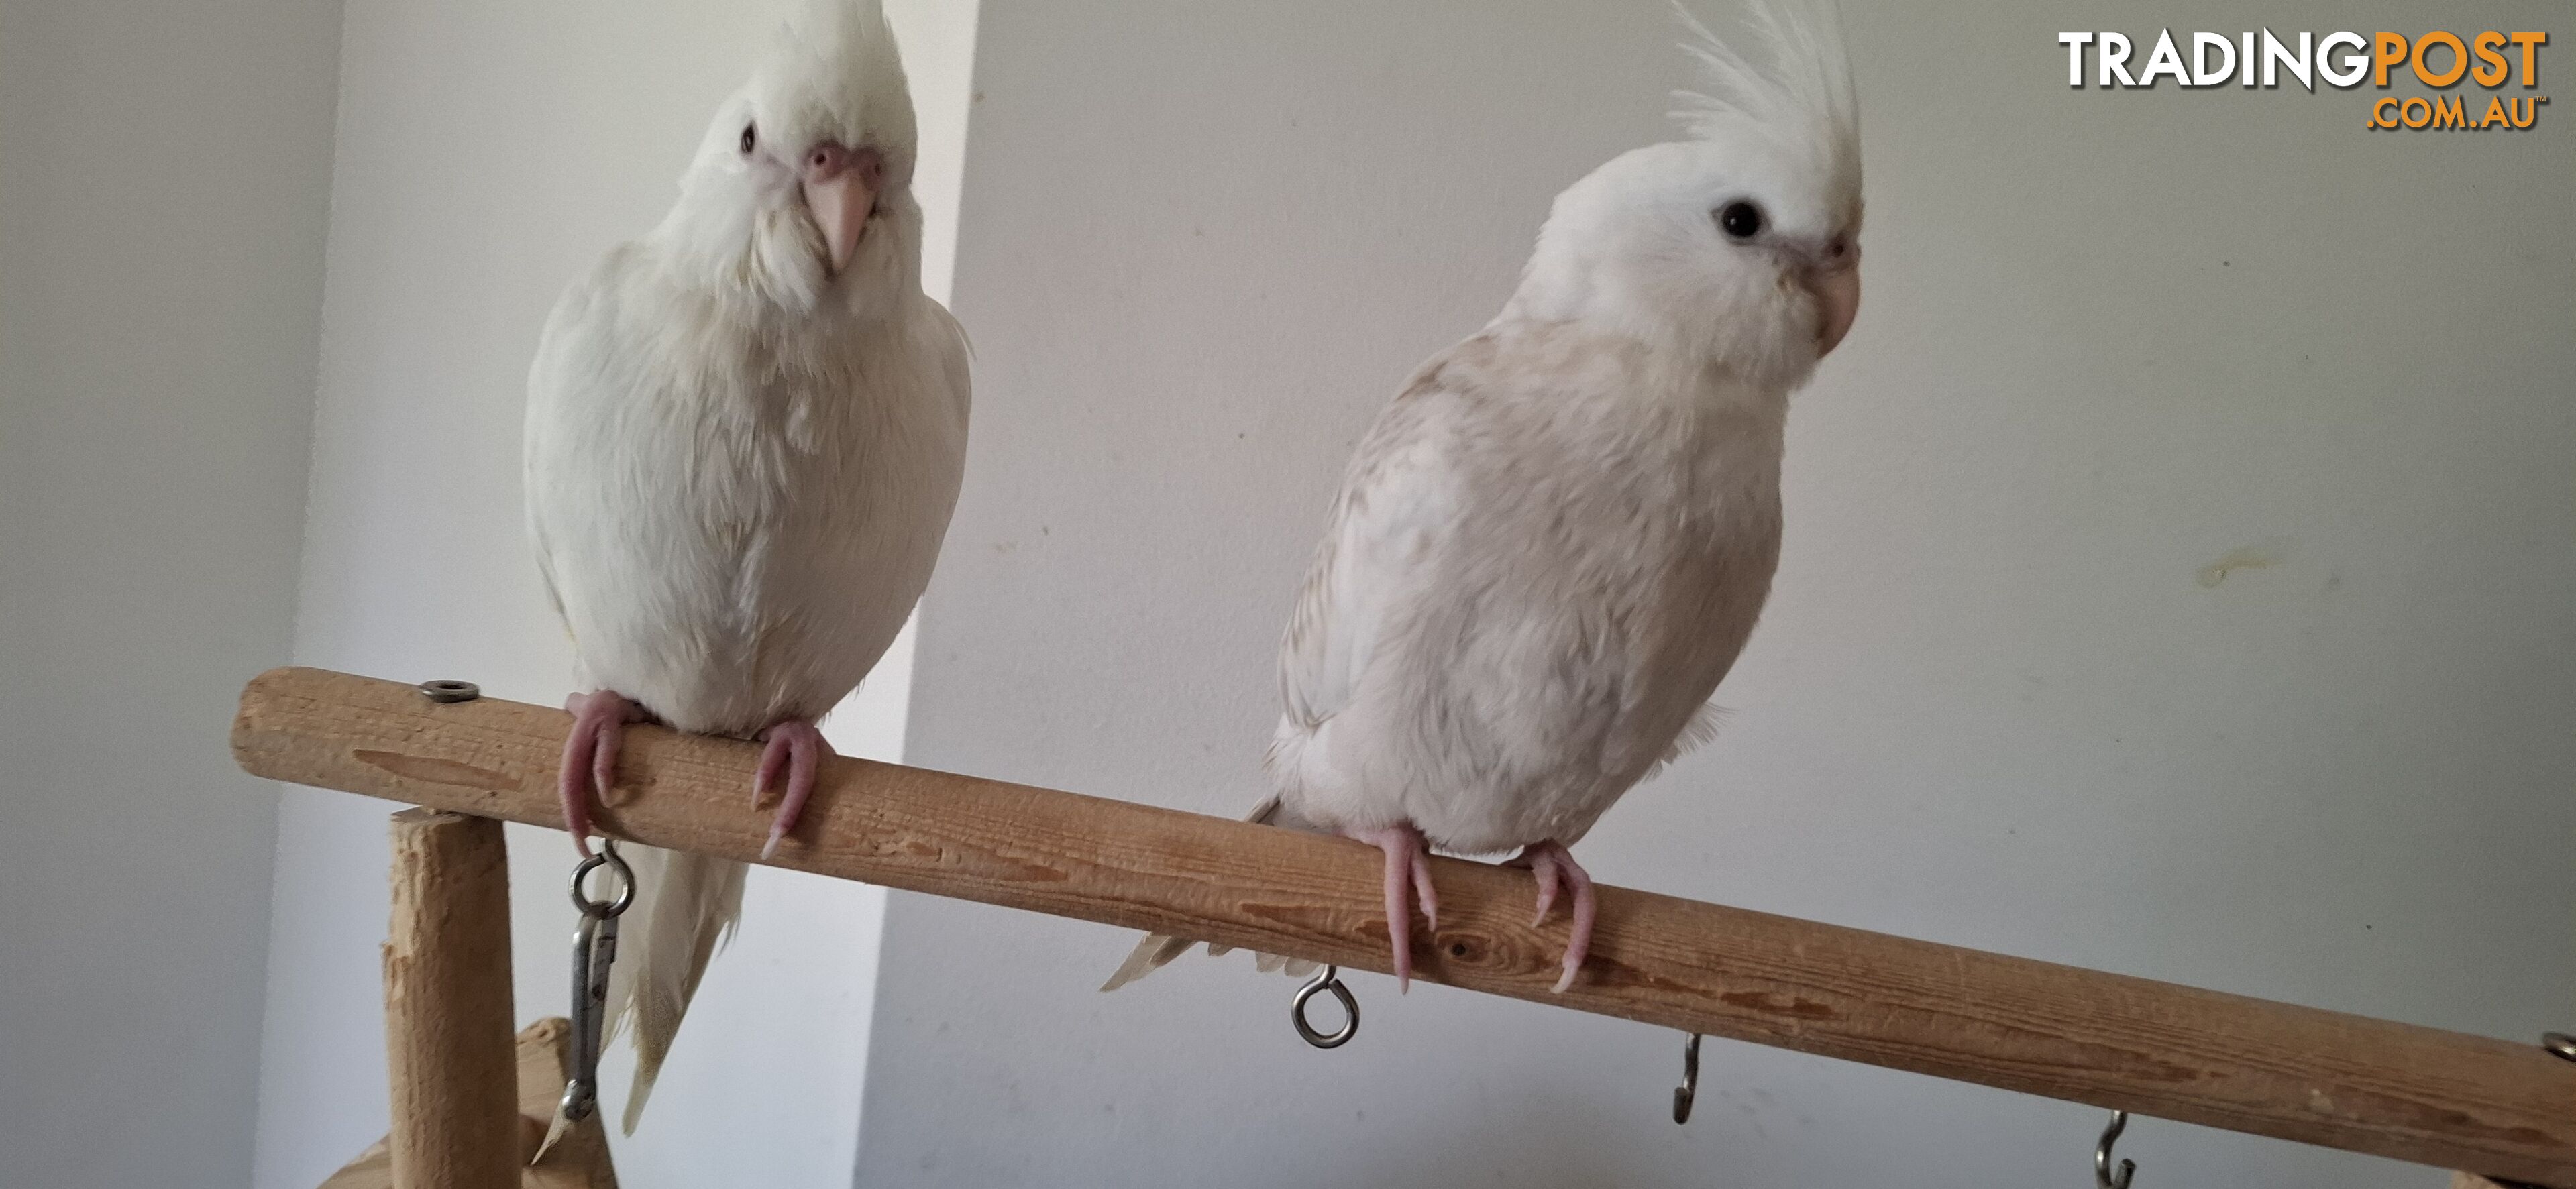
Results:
1397 502
596 381
947 342
568 348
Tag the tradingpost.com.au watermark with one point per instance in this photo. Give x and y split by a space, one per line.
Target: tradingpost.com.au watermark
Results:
2438 60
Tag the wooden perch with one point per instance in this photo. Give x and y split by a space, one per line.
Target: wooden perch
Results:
2500 1108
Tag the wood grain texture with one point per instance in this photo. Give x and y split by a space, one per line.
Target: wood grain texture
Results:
2442 1098
581 1161
447 1006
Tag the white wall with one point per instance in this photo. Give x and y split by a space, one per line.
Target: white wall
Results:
164 173
486 155
2109 340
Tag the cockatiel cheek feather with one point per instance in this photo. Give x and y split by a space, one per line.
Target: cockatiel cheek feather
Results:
1740 244
801 189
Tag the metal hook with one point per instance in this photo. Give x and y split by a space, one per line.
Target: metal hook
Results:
2102 1175
1328 979
1688 1092
609 858
594 951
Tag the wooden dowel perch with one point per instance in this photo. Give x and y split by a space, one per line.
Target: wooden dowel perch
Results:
450 1055
2500 1108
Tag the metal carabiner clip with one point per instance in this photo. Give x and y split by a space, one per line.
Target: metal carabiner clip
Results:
594 951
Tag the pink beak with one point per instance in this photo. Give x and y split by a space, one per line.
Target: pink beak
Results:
1836 286
840 187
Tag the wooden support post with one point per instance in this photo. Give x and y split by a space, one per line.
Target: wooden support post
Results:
2502 1108
579 1161
448 1046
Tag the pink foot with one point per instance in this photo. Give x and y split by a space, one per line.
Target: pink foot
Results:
1408 868
1550 862
590 751
796 747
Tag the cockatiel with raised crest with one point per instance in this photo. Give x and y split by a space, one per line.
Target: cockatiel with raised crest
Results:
745 435
1553 544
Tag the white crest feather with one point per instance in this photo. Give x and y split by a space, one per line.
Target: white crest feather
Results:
1801 97
835 72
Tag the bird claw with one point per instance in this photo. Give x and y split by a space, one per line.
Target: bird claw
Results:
1545 874
796 748
590 750
1551 864
1408 869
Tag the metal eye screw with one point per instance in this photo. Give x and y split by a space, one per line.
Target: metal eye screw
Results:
609 858
1328 979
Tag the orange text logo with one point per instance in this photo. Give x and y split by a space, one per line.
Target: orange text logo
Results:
2439 60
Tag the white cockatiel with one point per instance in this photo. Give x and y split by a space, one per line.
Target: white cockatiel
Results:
1553 544
745 435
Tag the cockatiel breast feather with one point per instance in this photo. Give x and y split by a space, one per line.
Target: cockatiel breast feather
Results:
735 521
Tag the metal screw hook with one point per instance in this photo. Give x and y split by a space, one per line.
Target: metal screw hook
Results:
1328 979
2102 1175
616 863
1688 1092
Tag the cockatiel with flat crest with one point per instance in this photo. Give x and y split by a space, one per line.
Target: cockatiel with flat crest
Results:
745 435
1553 544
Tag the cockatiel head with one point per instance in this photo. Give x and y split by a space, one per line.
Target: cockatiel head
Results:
1741 244
801 194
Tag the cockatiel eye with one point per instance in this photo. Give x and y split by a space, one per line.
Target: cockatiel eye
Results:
1740 220
750 138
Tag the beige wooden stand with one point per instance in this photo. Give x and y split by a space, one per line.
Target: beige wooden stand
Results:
469 1104
2503 1108
447 1005
579 1161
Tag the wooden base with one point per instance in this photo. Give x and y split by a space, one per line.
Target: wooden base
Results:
580 1161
